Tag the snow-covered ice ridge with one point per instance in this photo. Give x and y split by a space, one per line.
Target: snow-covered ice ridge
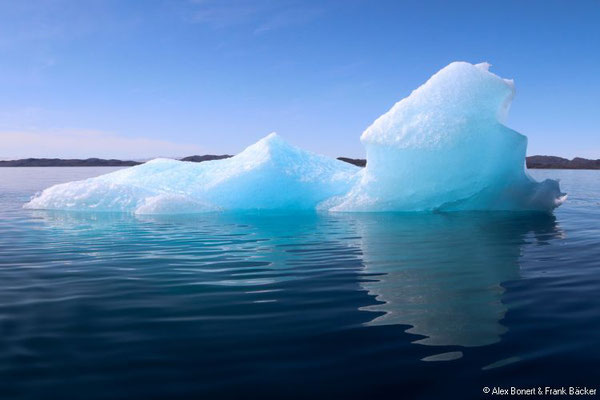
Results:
443 148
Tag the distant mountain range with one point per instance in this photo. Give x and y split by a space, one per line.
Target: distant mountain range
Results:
533 162
206 157
551 162
359 162
93 162
60 162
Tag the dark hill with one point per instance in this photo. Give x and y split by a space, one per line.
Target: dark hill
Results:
551 162
206 157
93 162
359 162
59 162
533 162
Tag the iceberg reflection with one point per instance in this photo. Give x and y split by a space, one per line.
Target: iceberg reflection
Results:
443 273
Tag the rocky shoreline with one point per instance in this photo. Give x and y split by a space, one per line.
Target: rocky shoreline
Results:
94 162
533 162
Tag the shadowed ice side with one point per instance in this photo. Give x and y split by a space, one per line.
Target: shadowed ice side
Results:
443 148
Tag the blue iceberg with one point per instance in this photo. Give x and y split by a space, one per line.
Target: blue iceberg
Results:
270 174
443 148
446 148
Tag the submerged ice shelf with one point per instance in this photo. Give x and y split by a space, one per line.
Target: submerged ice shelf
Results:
443 148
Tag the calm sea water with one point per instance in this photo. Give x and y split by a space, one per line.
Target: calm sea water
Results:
264 305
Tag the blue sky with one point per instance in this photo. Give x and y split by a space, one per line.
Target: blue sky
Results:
137 79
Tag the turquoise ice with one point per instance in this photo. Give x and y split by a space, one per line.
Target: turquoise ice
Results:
443 148
270 174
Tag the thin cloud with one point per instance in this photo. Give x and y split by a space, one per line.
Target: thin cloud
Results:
15 145
290 17
260 16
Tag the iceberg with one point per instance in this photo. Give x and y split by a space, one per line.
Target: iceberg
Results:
446 148
443 148
270 174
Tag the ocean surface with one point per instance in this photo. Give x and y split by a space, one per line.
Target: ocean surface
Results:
269 305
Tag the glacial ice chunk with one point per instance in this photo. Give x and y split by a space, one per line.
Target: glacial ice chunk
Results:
443 148
446 148
270 174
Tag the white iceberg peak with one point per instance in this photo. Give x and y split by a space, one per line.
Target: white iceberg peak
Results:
445 147
484 66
